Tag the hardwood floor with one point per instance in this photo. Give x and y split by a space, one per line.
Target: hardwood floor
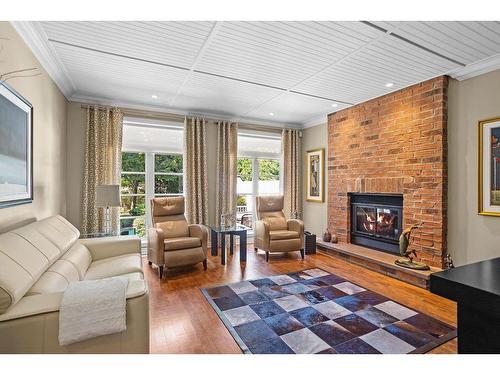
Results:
182 321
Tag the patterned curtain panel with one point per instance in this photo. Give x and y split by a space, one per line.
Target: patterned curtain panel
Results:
290 141
103 148
195 161
227 141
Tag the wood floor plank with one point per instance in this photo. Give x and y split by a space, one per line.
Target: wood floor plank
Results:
182 321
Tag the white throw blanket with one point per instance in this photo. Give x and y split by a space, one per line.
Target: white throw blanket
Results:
92 308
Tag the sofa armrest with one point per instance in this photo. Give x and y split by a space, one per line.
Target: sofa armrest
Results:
200 231
262 235
156 246
106 247
297 225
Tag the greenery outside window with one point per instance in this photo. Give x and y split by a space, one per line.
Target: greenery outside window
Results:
144 176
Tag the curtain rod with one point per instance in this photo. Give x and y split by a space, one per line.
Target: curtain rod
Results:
180 118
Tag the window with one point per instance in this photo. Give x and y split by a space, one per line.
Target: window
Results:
168 175
133 192
258 169
152 166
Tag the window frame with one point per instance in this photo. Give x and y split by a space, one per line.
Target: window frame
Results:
255 156
149 167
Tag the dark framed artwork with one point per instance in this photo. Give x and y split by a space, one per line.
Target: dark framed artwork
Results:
315 175
489 167
16 148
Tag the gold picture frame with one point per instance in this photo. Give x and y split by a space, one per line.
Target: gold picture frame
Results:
489 160
315 187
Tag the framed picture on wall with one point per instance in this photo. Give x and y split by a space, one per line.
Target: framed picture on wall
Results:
489 167
16 148
315 175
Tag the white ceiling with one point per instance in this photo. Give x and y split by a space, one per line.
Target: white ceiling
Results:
247 70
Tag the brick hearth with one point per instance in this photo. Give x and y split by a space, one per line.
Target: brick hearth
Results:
394 144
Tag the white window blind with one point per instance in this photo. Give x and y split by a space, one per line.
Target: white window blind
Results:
152 136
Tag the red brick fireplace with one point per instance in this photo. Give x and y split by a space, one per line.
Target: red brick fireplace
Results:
393 144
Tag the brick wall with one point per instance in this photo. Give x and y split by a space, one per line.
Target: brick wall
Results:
394 144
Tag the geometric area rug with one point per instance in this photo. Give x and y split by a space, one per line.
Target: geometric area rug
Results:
314 311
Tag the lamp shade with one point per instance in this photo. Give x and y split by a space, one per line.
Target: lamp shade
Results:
107 196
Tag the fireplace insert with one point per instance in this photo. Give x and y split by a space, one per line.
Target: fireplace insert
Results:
376 220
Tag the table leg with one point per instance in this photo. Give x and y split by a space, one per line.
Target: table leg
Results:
243 246
214 242
231 243
223 249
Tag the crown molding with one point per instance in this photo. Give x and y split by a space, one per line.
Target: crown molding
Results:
88 99
34 36
477 68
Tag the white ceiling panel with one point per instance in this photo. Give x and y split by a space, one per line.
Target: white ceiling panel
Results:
281 53
251 69
210 94
465 42
99 75
290 108
364 74
175 43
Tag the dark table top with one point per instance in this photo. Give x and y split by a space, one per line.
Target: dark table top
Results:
476 283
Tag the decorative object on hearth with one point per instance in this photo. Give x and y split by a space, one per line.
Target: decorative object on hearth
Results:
327 236
409 254
315 175
16 148
489 167
314 311
334 239
448 262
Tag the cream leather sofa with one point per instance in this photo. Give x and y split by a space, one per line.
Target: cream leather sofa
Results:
37 263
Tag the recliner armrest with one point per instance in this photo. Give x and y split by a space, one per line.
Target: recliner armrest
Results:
156 246
106 247
295 225
201 232
262 233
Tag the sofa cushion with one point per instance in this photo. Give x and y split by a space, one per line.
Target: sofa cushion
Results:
21 264
26 253
80 257
283 234
114 266
180 243
56 278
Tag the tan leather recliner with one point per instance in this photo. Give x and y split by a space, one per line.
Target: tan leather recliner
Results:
39 261
273 233
171 241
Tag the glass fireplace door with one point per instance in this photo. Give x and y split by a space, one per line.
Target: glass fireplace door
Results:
377 221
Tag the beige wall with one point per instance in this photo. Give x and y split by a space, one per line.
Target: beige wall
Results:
315 214
49 133
75 137
471 237
75 154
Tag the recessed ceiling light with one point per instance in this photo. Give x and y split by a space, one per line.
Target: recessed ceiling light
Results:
271 114
154 96
335 105
389 84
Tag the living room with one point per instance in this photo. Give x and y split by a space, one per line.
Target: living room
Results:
240 184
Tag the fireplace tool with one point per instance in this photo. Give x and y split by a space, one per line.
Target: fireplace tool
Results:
409 254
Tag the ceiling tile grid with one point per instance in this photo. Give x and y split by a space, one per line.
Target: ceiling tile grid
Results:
252 69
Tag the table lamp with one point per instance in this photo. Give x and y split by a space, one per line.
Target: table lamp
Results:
107 196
